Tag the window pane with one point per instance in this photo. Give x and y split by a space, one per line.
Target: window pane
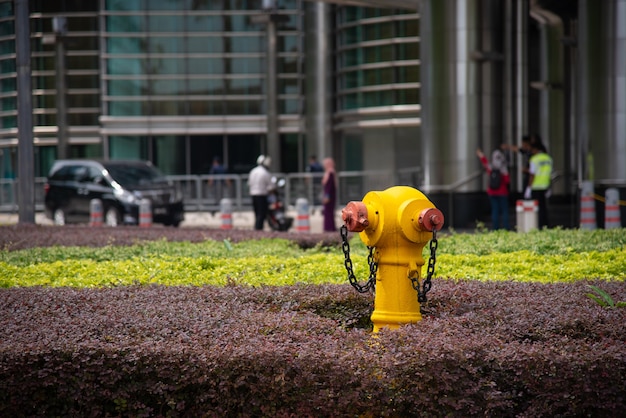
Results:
82 23
169 154
123 5
288 65
125 24
166 45
239 23
289 43
128 147
7 122
121 66
206 107
83 81
246 66
160 23
408 50
288 86
168 87
245 86
9 84
206 66
82 62
7 47
245 44
83 100
8 103
168 108
126 45
166 65
243 107
127 87
82 43
165 4
197 23
128 108
82 119
209 86
409 74
204 44
289 106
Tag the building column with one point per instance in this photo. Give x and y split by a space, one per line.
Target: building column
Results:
602 82
318 80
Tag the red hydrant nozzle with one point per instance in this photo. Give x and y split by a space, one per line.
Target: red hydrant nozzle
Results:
431 219
354 215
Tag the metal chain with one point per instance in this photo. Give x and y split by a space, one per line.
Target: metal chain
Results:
430 272
370 285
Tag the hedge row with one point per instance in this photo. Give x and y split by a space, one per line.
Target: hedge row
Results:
484 348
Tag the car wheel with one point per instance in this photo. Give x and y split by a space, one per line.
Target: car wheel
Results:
59 216
112 217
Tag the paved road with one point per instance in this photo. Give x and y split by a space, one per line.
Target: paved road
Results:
240 220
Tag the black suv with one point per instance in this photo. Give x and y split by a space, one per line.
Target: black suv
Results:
120 185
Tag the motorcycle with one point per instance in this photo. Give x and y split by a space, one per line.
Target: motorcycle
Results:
276 217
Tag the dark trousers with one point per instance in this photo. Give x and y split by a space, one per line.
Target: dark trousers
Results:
499 211
540 197
259 204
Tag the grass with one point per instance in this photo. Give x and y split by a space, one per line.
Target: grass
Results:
542 256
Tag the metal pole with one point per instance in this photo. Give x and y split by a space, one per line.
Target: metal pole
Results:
26 169
59 24
273 138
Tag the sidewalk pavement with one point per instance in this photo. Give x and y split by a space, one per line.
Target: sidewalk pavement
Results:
240 220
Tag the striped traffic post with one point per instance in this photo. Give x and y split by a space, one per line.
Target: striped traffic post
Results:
611 209
226 213
302 217
587 206
145 213
95 212
527 215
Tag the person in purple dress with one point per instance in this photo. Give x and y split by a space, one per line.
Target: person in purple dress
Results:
329 197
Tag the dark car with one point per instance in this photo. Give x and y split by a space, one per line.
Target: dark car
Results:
120 185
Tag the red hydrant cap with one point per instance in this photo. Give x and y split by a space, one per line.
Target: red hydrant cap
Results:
354 215
431 219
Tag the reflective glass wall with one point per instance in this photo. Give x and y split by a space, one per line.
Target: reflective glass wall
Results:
80 52
189 78
377 92
377 57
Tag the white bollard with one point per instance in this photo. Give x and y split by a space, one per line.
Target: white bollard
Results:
226 210
611 209
527 215
145 213
587 206
303 218
95 212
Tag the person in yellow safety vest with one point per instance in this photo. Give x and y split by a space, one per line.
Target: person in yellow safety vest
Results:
538 188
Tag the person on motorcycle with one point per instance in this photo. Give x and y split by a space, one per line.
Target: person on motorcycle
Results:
259 184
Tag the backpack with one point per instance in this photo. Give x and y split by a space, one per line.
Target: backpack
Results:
495 179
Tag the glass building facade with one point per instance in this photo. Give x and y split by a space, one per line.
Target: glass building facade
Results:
179 82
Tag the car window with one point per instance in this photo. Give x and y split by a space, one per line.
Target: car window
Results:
135 175
70 172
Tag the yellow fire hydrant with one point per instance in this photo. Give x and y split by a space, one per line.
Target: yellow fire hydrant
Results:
398 222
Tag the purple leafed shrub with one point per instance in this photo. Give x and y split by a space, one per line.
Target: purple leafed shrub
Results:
488 349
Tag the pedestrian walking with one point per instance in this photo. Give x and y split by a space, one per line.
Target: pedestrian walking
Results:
259 184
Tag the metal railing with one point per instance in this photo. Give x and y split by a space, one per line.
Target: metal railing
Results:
204 192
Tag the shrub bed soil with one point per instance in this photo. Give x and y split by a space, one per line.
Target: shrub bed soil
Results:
501 349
